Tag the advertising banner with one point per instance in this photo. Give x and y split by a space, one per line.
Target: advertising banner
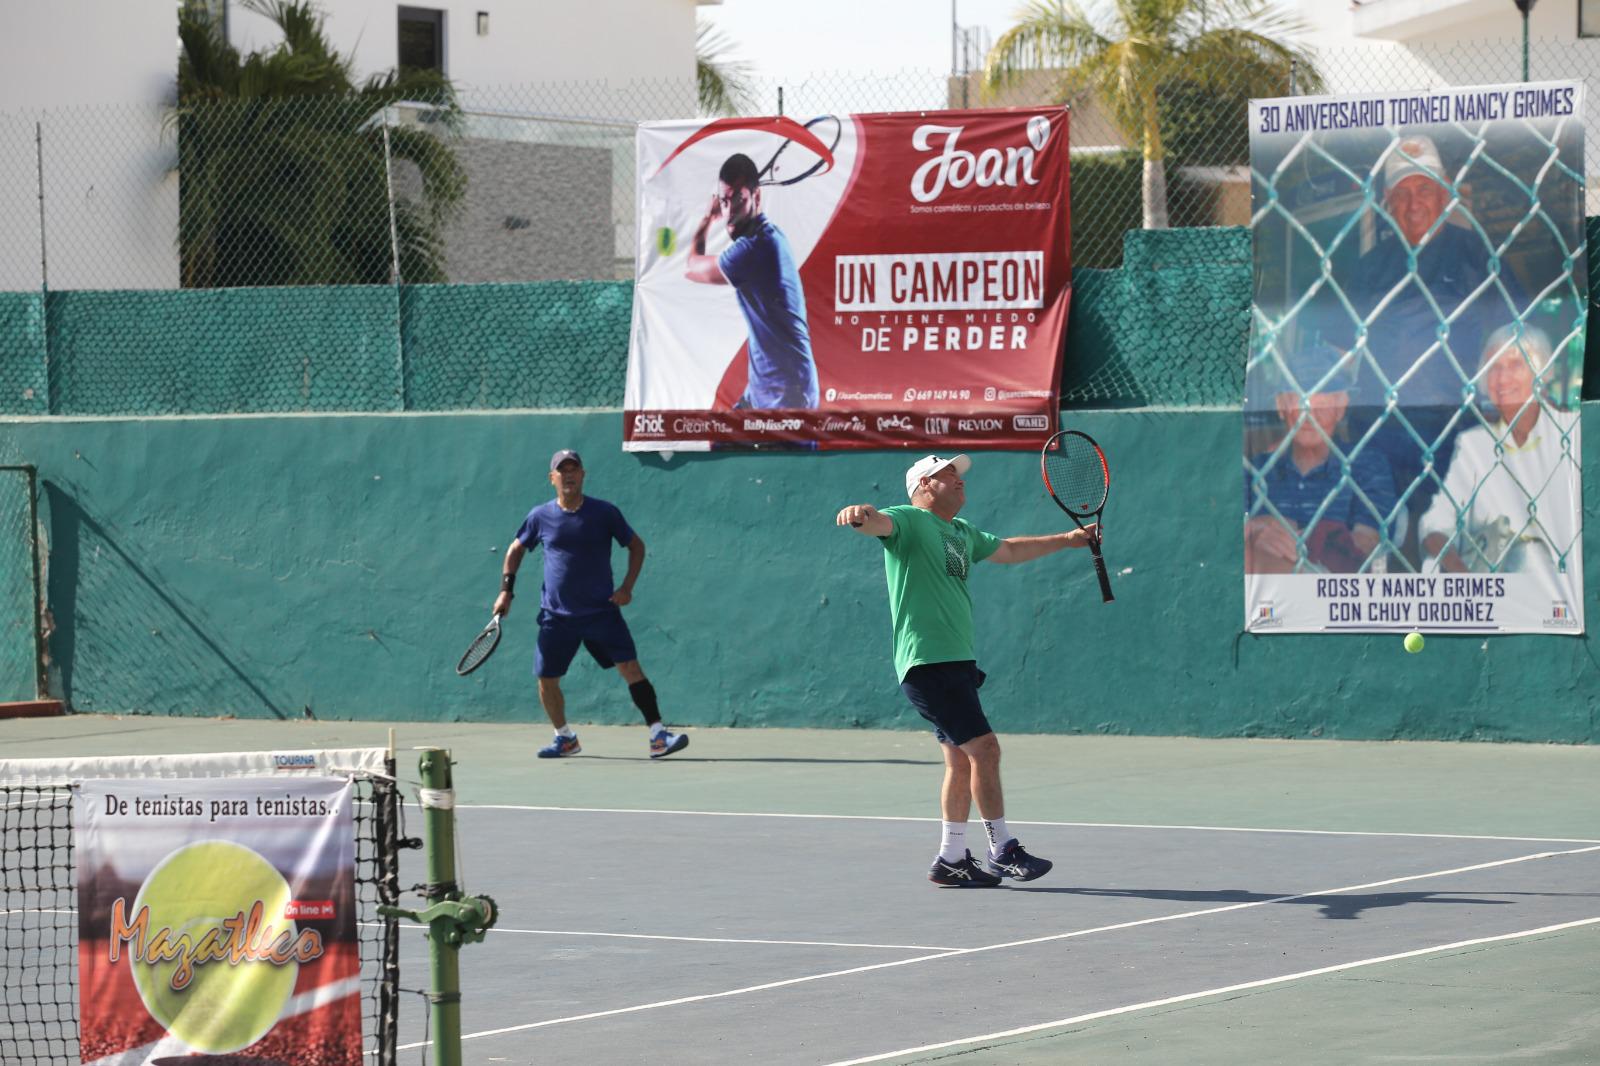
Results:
217 916
1411 444
855 281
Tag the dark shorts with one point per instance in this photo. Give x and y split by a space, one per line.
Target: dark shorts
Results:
605 635
946 694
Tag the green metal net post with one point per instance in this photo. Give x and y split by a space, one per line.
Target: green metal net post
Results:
451 919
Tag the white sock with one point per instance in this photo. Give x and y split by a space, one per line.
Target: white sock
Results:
566 731
953 847
998 834
657 728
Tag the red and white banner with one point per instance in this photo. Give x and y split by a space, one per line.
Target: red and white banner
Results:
217 916
856 281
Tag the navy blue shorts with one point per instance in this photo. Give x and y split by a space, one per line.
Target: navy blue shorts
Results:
946 694
605 635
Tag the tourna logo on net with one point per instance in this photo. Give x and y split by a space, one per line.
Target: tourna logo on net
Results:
957 168
302 761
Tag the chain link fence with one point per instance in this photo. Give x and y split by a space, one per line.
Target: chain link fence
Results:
306 255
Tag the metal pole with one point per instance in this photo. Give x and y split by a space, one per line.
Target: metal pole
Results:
1294 70
394 261
1525 43
38 163
439 830
44 267
780 101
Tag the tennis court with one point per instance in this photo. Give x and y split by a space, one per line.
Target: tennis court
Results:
760 898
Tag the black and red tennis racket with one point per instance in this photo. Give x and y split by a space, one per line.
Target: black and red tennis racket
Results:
1078 479
827 129
482 646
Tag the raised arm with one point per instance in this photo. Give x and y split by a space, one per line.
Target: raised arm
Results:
624 593
1024 549
703 267
865 518
508 576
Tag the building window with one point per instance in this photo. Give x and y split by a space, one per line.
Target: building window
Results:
1589 18
422 38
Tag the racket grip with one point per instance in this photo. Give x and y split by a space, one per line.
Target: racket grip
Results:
1105 581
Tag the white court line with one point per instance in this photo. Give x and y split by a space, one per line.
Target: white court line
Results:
1015 821
1010 944
693 939
1190 996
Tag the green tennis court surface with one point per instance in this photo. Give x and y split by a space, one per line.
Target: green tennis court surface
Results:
760 898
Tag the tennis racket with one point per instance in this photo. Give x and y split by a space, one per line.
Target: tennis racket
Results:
482 646
827 129
1078 479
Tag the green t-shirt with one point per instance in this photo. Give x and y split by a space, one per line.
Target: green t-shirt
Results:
926 561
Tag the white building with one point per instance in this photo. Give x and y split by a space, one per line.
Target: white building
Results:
85 88
1372 45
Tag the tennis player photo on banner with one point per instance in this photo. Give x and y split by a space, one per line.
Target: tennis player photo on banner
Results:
218 916
1411 438
850 281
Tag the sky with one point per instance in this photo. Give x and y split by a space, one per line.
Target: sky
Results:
782 39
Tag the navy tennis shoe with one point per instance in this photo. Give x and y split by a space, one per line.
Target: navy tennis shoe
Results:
963 873
561 747
1017 864
665 743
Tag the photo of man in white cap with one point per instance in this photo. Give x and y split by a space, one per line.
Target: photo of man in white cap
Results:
1422 294
927 555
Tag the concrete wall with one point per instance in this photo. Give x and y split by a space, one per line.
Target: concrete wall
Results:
258 566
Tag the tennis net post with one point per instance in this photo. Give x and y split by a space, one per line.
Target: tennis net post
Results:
451 918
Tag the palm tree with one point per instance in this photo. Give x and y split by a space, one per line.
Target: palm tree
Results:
1137 48
722 84
283 170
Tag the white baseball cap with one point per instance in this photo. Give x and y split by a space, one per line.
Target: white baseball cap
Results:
930 465
1415 154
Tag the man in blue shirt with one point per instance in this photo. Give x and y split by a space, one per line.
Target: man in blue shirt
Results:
1307 506
761 268
579 604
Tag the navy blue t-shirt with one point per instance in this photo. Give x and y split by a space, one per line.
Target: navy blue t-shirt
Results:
761 269
577 554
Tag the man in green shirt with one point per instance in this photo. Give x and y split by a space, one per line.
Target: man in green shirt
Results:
927 554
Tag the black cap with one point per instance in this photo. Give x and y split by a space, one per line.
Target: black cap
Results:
563 455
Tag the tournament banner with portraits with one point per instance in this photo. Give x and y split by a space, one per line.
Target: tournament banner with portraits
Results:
850 281
1411 438
217 916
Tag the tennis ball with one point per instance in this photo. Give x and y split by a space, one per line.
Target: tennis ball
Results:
1413 642
666 240
224 1007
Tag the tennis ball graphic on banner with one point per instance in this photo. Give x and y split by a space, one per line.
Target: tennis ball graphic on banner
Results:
212 955
666 241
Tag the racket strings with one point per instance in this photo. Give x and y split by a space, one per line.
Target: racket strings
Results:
1077 476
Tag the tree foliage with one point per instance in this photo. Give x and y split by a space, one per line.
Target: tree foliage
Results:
283 173
1137 58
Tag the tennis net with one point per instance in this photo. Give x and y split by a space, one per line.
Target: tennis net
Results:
39 923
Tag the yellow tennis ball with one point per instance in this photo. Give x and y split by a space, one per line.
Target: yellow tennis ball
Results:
222 1006
1413 642
666 240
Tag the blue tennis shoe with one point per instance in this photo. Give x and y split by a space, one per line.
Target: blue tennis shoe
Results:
561 747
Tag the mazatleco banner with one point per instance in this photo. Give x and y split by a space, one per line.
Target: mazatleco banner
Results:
856 281
217 916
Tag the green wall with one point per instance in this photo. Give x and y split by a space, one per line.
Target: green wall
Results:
257 566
